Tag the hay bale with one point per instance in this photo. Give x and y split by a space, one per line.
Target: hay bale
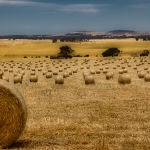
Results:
105 71
70 72
120 71
32 73
92 71
75 70
18 79
59 79
6 78
33 78
86 73
147 78
89 79
125 70
109 75
98 71
124 79
65 74
55 72
48 75
141 74
1 74
13 114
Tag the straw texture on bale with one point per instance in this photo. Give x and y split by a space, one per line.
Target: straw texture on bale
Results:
13 114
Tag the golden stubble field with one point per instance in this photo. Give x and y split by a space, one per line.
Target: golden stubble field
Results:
101 116
46 47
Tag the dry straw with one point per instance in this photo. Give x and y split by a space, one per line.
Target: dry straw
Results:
13 114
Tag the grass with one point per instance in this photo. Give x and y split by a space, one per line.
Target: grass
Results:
46 47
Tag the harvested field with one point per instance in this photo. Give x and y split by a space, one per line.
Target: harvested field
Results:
101 116
93 47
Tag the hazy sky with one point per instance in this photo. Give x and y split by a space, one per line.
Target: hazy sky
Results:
55 16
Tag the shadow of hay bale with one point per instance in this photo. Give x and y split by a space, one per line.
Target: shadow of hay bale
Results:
27 144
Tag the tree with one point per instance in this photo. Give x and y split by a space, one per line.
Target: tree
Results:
65 52
111 52
144 53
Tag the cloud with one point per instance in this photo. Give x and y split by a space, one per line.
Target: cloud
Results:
139 6
83 8
78 8
16 2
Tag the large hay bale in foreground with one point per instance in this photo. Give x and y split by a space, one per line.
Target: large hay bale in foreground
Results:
13 114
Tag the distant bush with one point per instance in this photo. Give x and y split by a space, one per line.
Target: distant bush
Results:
86 55
77 56
53 57
111 52
65 52
145 53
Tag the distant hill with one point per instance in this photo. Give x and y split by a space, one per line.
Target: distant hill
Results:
122 32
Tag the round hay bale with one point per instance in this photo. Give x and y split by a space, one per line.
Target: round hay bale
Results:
59 79
89 79
65 74
145 68
147 78
75 70
120 71
86 73
141 74
124 79
11 70
123 67
105 71
33 78
48 75
6 78
60 70
18 79
55 72
125 70
70 72
39 69
32 73
109 75
98 72
13 114
92 71
1 74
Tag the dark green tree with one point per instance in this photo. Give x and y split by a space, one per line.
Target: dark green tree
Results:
65 52
145 53
111 52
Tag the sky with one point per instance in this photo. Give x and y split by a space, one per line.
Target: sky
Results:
62 16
